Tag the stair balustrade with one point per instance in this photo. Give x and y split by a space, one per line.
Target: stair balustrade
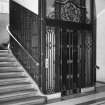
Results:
24 57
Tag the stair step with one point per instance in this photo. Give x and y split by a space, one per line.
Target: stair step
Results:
24 99
4 51
13 81
14 88
35 100
7 59
16 93
6 54
24 95
9 69
11 75
9 64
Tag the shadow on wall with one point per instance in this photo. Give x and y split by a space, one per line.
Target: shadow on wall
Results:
4 20
100 6
4 37
101 46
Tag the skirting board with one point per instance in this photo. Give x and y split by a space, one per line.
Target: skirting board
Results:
53 96
87 89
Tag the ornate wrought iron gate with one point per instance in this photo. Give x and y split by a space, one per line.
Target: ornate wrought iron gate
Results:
74 42
50 59
70 61
76 60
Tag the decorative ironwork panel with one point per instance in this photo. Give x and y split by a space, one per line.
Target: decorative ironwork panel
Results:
50 59
88 11
78 11
24 27
70 11
50 9
88 58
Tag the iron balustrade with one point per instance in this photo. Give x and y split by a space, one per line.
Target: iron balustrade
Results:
24 57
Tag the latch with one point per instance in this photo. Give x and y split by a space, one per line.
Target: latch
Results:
97 67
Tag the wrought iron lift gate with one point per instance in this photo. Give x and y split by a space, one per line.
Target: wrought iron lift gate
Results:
74 67
50 59
76 60
70 61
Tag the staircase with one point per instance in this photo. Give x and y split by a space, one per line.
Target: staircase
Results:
16 87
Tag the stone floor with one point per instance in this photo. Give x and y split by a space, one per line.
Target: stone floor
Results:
93 98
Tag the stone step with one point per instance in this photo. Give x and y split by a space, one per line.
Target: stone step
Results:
36 100
7 59
4 51
14 94
5 54
9 64
10 81
26 99
14 88
10 69
11 75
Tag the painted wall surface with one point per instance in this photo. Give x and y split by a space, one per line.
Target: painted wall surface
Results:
100 8
4 6
101 46
29 4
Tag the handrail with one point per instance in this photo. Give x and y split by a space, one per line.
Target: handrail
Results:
37 64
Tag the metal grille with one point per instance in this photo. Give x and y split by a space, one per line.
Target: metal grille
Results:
50 59
69 12
88 58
